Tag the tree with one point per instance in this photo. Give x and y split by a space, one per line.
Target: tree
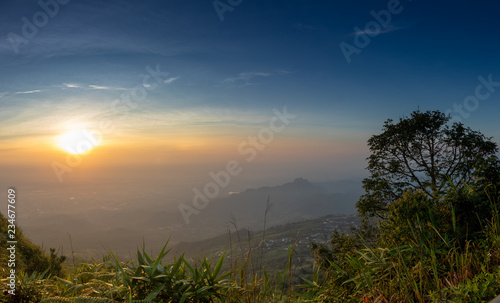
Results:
420 152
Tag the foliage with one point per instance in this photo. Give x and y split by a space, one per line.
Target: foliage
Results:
148 281
420 152
481 288
29 257
152 280
341 244
34 268
30 288
441 249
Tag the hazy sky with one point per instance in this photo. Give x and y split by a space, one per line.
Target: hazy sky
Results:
181 85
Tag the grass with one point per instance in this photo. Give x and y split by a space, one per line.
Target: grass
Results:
149 279
432 260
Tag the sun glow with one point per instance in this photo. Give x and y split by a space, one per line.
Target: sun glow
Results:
77 141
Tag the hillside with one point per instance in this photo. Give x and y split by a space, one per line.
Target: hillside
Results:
291 202
121 223
29 257
272 245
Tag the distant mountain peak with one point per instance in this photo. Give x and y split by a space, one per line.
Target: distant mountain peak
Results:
301 181
299 184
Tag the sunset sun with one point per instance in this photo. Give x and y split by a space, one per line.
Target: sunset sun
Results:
77 141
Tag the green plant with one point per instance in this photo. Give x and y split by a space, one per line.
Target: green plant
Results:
176 282
29 288
482 287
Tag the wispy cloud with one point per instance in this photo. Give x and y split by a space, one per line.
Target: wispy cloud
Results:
29 92
71 85
91 86
39 117
98 87
245 78
106 87
388 29
171 79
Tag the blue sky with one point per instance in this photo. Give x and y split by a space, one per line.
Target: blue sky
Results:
225 77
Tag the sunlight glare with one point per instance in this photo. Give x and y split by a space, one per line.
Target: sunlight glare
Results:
77 141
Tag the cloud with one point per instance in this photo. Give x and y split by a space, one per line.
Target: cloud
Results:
245 78
71 85
92 86
98 87
29 92
385 30
170 80
44 118
105 87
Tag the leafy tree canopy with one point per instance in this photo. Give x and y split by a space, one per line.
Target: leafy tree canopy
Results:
421 152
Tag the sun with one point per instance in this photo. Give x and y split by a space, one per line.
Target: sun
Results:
77 141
